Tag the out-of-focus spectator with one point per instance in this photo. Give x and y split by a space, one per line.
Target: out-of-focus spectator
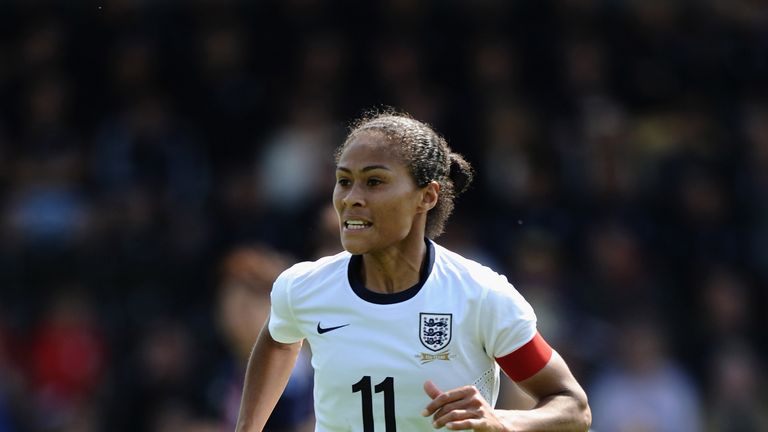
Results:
325 240
43 46
753 183
159 380
11 380
726 307
618 279
294 167
494 68
46 205
147 146
510 173
68 361
232 93
737 396
133 69
401 74
322 65
148 150
536 268
245 281
240 209
643 389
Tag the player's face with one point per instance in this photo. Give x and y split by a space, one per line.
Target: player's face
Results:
376 198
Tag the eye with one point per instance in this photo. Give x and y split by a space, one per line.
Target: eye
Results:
374 182
343 181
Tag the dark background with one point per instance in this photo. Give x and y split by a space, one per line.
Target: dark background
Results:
622 156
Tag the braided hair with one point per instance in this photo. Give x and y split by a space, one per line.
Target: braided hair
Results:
427 156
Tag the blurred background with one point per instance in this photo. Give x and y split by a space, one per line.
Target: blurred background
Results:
161 161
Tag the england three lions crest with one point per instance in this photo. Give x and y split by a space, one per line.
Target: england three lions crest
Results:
435 330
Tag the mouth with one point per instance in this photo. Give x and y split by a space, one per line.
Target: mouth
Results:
356 224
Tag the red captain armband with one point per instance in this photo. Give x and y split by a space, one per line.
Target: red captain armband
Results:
527 360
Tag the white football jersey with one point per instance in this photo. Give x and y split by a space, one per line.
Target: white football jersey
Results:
373 352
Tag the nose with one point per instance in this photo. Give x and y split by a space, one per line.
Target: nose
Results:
353 197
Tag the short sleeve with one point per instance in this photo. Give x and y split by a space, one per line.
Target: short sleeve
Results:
282 325
507 321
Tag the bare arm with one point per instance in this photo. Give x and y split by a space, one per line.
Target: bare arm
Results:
561 405
269 368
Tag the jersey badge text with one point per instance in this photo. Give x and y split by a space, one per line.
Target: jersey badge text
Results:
425 358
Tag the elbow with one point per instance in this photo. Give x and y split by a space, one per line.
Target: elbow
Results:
584 415
576 414
579 413
586 419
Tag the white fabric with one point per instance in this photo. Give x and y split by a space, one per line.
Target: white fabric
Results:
489 318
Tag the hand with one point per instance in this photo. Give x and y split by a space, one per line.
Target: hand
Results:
461 408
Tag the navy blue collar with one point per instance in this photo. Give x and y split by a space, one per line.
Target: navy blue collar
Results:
355 276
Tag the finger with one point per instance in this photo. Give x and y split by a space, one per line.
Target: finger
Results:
452 417
433 392
459 405
445 398
468 424
431 389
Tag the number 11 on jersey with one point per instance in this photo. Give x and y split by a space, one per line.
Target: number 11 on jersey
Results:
388 388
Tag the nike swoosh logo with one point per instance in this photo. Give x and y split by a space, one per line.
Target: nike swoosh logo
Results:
321 330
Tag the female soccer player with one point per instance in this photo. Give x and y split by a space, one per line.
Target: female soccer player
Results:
405 334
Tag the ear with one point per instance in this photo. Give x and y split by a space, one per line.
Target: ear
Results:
429 195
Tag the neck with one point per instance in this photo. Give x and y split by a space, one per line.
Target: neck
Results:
395 269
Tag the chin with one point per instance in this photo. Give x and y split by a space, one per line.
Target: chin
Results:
355 246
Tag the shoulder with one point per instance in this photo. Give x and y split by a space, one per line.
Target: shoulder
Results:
477 280
467 270
310 272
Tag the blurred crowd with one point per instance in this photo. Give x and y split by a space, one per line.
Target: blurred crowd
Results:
162 161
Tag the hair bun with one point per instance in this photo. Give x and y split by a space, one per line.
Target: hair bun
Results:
461 173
